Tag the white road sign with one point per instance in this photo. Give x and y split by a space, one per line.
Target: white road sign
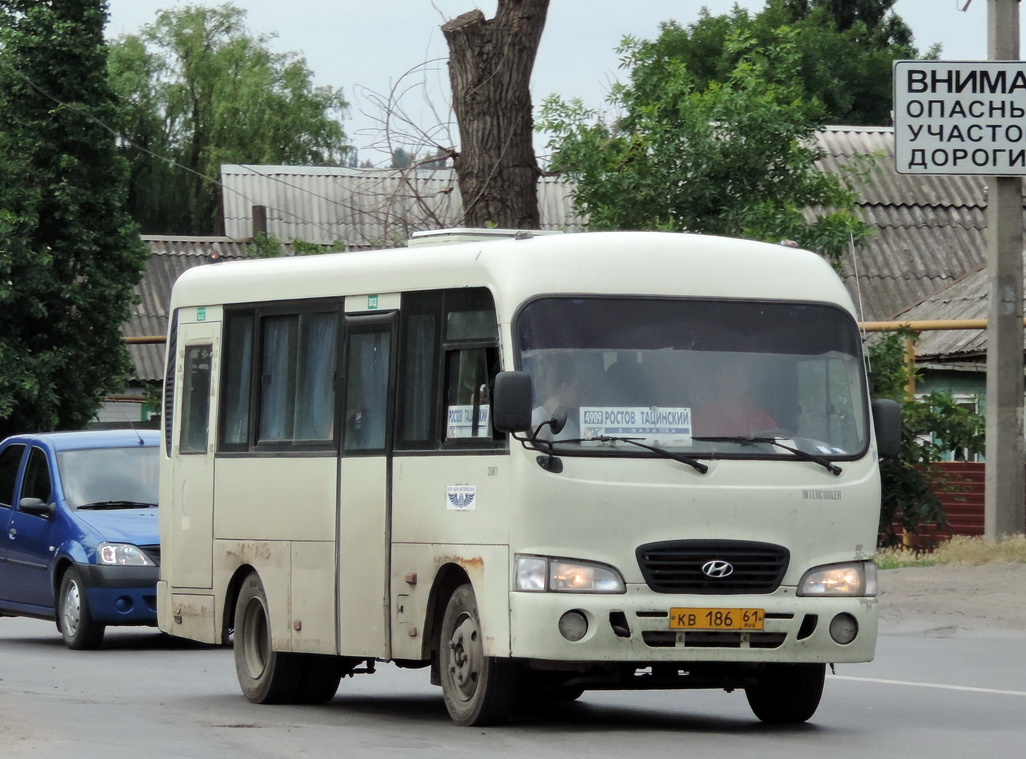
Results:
960 117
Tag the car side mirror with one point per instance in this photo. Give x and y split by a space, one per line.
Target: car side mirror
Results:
887 425
36 507
512 402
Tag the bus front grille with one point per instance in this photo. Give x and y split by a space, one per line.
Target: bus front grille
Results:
712 567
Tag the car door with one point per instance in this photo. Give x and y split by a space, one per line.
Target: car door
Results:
30 537
10 464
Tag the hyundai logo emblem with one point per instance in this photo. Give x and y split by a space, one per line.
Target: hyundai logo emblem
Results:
717 569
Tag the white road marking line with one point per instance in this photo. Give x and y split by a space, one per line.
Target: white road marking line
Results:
939 686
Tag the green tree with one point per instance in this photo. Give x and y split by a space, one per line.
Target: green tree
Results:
69 253
199 90
845 49
734 157
932 426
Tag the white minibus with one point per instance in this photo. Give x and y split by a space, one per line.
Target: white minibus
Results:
533 464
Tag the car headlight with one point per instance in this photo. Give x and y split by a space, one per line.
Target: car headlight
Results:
122 554
857 578
547 574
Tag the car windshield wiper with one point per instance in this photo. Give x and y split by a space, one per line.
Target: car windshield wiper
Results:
118 505
698 465
749 440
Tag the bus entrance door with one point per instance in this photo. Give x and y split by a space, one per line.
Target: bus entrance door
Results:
192 498
364 467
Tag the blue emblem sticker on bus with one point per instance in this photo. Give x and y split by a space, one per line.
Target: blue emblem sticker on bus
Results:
461 497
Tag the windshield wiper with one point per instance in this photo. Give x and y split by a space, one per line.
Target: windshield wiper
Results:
698 465
118 505
804 455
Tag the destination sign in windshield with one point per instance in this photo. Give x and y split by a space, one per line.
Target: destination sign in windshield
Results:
666 425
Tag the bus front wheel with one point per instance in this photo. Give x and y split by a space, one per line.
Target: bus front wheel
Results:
478 689
787 693
265 675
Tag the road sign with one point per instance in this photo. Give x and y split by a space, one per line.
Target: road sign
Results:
960 117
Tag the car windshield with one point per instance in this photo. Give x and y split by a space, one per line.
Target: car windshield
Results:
699 377
121 476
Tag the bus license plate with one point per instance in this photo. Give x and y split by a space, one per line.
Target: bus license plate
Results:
716 619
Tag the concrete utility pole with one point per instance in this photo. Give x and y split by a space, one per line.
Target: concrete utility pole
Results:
1004 511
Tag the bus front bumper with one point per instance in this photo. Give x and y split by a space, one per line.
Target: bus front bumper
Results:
640 626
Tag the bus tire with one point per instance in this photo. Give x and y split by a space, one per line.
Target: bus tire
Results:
266 676
321 676
787 694
81 632
478 689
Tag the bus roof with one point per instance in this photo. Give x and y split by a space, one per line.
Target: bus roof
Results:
613 263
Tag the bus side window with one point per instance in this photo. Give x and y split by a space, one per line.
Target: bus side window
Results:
297 393
418 375
238 379
469 377
471 362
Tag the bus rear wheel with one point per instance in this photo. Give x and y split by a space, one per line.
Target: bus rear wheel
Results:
266 676
787 694
478 689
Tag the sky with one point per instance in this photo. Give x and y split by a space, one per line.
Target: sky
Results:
372 48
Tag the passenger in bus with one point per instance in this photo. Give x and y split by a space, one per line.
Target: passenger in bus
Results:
732 410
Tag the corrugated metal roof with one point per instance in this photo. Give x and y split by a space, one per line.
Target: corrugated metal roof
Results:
364 208
169 257
929 231
966 299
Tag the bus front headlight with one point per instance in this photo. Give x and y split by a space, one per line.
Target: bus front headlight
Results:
856 578
549 574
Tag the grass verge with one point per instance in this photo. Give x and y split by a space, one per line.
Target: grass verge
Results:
962 550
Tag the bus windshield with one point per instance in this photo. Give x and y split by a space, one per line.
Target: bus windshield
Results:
697 376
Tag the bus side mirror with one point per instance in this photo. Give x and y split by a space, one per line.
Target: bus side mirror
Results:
512 402
887 425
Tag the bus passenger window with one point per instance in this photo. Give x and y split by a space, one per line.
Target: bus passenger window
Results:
417 402
298 372
468 405
238 370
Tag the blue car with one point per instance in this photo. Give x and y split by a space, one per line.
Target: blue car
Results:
79 541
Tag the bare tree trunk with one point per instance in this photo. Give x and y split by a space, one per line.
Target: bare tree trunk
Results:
490 63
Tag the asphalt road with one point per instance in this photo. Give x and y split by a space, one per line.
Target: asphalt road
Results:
149 695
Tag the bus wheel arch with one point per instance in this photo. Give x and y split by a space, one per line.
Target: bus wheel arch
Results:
447 580
231 598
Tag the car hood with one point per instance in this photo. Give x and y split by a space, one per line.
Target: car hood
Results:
136 526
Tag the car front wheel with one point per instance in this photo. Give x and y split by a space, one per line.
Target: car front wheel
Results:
81 632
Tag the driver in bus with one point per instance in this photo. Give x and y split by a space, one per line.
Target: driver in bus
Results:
733 410
564 393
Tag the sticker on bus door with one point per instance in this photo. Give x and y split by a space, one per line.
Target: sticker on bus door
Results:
461 497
